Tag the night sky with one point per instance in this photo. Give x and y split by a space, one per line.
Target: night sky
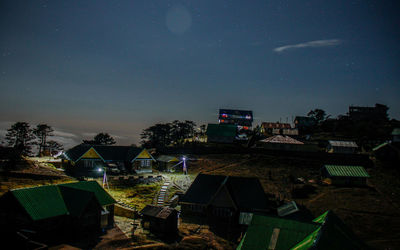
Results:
86 67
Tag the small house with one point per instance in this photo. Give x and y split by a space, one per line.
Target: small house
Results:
162 221
221 133
341 147
219 197
274 128
167 163
89 159
345 175
55 211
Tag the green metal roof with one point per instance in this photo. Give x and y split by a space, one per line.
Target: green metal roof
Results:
265 231
321 219
76 200
224 130
334 234
92 186
64 199
326 231
348 171
41 202
380 146
309 241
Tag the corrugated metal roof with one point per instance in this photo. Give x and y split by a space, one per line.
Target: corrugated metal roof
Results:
261 231
41 202
76 200
348 171
282 139
349 144
92 186
325 232
64 199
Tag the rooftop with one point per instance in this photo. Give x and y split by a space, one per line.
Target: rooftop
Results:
283 139
350 171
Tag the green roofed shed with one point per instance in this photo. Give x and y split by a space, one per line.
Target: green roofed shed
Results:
41 202
345 175
92 186
351 171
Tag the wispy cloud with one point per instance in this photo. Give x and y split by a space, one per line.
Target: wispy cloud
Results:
311 44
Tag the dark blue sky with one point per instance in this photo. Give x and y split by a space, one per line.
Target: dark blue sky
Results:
119 66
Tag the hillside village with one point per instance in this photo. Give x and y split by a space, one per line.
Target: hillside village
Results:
316 183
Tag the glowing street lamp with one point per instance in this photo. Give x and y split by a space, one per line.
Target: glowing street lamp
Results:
105 181
184 165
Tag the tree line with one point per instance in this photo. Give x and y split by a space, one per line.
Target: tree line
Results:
22 137
172 133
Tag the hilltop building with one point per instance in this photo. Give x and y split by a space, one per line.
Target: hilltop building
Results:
360 113
89 159
221 133
243 119
277 128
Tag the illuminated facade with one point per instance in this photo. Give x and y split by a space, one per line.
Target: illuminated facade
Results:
242 118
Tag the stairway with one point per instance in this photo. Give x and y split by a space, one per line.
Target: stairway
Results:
162 195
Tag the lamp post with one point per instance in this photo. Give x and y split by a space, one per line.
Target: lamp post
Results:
105 181
184 165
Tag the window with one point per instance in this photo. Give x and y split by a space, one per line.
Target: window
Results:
88 164
145 163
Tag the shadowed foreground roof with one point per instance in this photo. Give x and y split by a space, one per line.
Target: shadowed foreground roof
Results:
203 188
41 202
247 193
267 232
64 199
325 232
92 186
